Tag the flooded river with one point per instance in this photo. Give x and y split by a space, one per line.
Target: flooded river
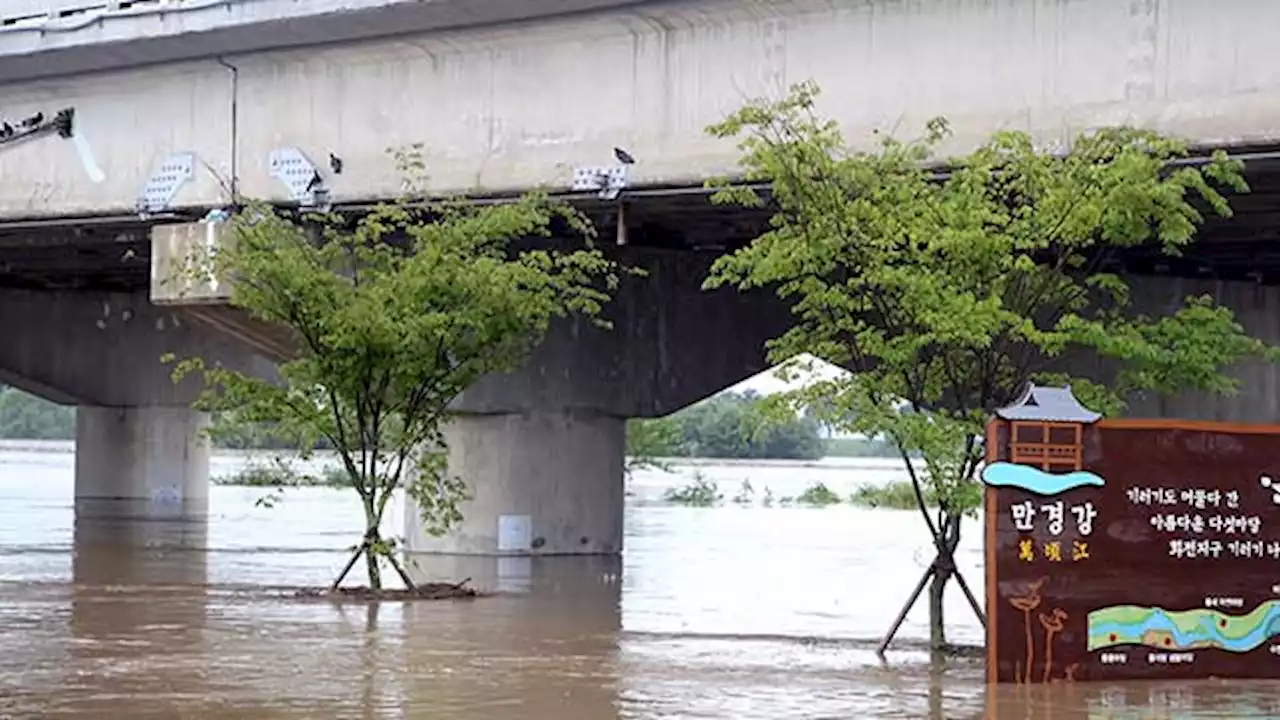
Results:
732 612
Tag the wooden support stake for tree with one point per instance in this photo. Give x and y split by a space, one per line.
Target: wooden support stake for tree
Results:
973 600
902 616
915 596
350 564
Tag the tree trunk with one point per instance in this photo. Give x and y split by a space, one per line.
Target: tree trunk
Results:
371 540
937 624
943 572
375 574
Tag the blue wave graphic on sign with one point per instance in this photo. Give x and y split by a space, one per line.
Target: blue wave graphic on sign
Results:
1035 480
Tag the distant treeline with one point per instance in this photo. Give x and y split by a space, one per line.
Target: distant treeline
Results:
27 417
727 425
736 426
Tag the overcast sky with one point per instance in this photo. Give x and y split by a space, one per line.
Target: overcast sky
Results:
766 383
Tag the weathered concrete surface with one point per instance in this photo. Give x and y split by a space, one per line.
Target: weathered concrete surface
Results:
128 123
178 253
105 349
518 106
671 344
57 37
543 483
141 462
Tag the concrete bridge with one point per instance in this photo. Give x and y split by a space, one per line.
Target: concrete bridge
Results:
129 121
508 95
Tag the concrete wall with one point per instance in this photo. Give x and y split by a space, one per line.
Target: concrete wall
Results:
105 348
516 106
543 483
675 345
671 345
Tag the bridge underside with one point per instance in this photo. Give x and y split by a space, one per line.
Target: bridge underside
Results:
114 253
541 447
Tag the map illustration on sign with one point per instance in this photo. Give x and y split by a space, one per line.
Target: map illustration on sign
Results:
1183 630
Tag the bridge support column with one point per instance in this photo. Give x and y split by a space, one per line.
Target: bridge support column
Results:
543 483
148 462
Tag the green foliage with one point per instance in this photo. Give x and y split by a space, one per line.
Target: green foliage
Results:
279 473
228 433
27 417
701 492
818 494
394 314
648 441
945 296
896 495
734 425
726 425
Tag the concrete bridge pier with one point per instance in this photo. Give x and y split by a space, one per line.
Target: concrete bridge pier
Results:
543 482
542 449
150 462
140 449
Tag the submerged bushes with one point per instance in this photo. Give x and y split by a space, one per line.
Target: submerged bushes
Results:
702 492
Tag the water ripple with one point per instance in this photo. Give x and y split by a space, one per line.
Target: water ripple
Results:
731 613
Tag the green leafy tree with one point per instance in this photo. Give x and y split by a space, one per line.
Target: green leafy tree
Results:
27 417
726 425
944 294
650 440
394 314
740 425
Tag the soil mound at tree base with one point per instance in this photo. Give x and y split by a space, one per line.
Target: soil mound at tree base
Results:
426 591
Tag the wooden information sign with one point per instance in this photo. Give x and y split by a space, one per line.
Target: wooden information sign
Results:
1124 549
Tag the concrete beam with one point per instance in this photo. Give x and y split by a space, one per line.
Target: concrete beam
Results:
518 115
104 349
671 344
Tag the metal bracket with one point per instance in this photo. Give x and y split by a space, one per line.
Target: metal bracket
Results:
608 181
160 190
292 167
62 122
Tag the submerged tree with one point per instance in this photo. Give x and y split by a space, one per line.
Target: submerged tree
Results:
394 314
649 441
944 294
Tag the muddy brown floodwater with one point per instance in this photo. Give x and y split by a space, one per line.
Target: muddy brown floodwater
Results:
735 612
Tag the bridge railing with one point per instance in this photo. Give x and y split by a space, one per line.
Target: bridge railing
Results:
22 15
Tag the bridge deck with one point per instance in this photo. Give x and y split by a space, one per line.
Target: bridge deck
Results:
506 107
